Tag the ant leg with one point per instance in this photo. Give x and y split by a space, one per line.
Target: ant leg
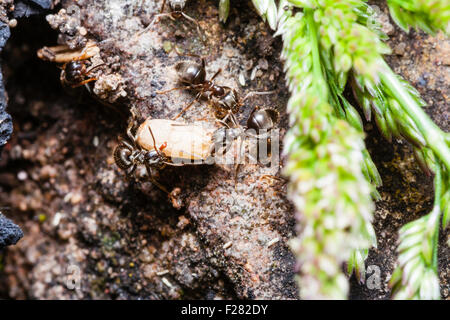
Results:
193 55
203 63
222 122
127 144
257 93
216 74
130 170
196 23
159 185
233 119
188 106
130 134
163 5
187 54
173 89
156 19
156 183
83 82
154 142
63 67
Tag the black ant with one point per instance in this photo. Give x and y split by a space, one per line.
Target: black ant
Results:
259 125
75 72
225 100
176 12
133 159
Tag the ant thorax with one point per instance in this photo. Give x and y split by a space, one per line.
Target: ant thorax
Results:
153 158
229 101
262 119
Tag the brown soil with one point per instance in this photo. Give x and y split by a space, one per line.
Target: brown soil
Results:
75 207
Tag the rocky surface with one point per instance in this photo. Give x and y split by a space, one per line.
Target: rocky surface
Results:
9 232
90 233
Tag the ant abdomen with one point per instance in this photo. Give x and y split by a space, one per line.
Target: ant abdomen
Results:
191 73
262 119
122 157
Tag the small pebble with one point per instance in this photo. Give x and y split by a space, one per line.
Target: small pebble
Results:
12 23
400 49
242 80
272 242
167 283
227 245
95 141
82 31
263 64
167 46
161 273
22 176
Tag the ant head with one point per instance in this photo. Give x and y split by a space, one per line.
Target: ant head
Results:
177 5
262 119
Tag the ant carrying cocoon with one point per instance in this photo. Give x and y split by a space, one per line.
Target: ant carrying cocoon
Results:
158 143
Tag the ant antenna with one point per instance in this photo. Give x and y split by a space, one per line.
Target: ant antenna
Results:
95 67
193 55
163 146
154 140
257 93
